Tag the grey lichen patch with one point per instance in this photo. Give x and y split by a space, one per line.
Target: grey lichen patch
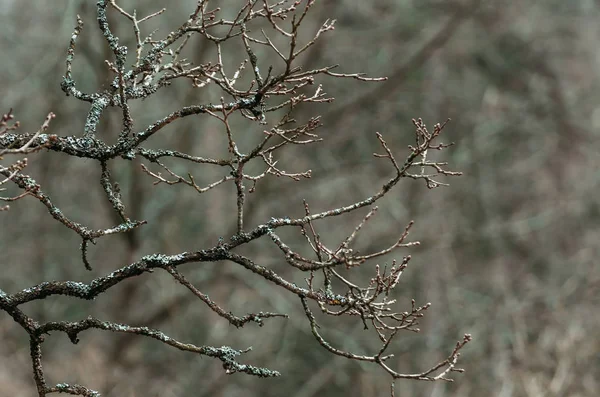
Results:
93 118
179 257
157 260
262 372
68 84
128 155
76 389
80 288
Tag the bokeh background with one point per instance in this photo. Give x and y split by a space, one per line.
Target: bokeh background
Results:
508 252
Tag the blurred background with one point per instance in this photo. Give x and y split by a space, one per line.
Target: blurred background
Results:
508 252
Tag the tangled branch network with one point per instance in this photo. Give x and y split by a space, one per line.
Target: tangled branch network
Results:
265 95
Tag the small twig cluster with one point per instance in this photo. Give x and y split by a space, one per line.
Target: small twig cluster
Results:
269 100
7 125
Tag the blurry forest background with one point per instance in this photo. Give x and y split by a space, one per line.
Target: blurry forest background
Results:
508 252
